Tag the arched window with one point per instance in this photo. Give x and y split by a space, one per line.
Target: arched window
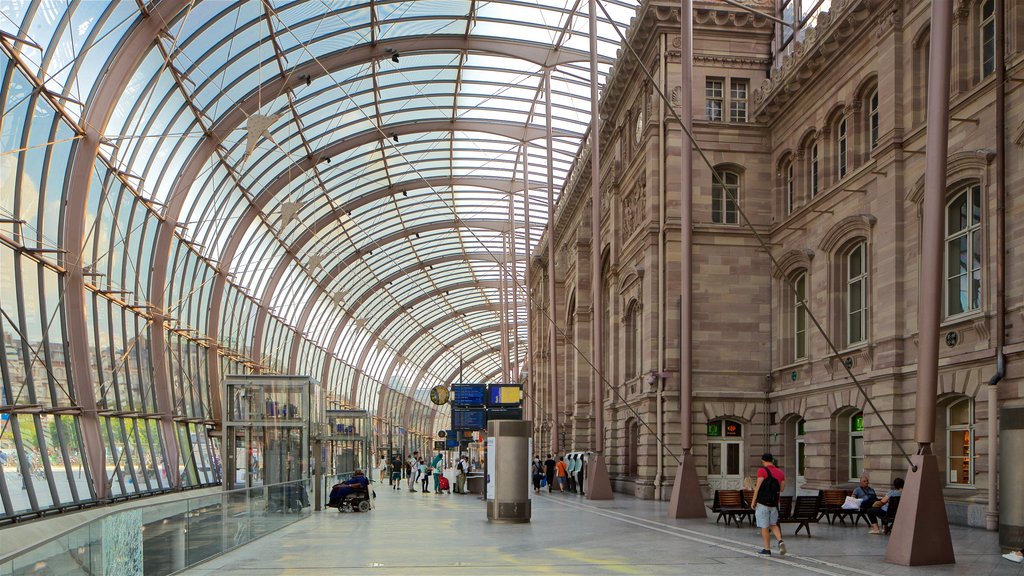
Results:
841 148
963 251
987 38
922 45
632 447
799 330
960 435
724 200
873 120
856 275
788 185
812 170
634 348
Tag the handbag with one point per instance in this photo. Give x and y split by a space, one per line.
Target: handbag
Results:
543 482
852 503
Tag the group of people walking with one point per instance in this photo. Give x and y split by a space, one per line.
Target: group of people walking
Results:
568 475
428 475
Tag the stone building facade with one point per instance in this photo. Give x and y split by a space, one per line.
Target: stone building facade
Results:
820 137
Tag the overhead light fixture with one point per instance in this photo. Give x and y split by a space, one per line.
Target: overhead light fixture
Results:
394 57
394 136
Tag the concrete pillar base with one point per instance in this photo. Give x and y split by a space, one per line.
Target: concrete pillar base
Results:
920 536
599 486
687 500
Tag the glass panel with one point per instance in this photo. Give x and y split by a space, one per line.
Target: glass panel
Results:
960 413
956 215
732 459
960 452
856 456
801 458
856 265
714 459
734 429
36 458
857 422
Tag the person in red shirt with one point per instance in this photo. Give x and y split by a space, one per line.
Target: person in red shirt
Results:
561 470
766 502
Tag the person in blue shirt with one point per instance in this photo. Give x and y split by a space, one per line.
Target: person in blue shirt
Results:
437 464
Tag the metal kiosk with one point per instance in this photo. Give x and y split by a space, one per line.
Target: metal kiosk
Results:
269 423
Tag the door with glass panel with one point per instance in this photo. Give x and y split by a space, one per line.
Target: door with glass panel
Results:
725 455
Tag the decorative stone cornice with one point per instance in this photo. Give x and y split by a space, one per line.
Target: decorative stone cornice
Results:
655 17
731 61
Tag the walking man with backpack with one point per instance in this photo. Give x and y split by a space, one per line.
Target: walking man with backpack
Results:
770 482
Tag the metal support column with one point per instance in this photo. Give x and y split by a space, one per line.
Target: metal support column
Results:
552 298
921 533
687 500
599 486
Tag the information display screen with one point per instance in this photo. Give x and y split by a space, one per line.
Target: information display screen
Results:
505 395
471 419
505 413
469 394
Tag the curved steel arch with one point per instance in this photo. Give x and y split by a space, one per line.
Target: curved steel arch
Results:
465 256
416 301
380 243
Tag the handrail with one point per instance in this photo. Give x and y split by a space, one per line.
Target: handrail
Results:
209 525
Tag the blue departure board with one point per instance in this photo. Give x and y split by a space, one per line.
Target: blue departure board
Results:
469 394
469 419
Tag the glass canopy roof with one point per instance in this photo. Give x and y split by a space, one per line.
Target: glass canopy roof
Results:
356 166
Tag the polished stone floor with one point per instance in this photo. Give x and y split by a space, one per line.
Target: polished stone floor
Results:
417 535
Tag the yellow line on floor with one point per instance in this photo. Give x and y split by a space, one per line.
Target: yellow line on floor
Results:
620 565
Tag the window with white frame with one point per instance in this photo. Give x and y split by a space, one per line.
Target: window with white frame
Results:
856 446
988 38
714 92
738 90
841 148
873 120
856 294
724 199
812 176
960 448
963 251
800 316
787 184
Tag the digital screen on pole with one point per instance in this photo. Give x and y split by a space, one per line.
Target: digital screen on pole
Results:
469 419
469 394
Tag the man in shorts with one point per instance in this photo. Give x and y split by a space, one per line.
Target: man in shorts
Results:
770 483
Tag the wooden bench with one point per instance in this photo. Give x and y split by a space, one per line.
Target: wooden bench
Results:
832 507
805 510
729 504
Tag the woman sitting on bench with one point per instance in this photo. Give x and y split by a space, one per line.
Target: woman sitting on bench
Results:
880 507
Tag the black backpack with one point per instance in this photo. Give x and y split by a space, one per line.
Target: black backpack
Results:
768 494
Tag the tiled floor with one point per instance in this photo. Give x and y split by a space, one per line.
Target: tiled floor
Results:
417 534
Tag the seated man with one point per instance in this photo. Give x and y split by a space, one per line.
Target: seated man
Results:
357 483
